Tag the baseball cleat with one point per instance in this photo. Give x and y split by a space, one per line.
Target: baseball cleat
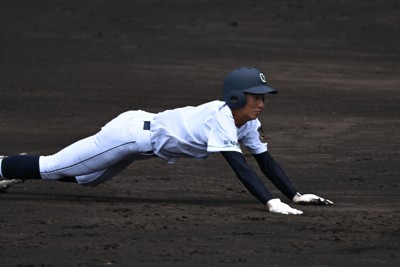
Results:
5 184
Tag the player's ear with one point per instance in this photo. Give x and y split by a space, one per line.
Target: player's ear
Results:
235 99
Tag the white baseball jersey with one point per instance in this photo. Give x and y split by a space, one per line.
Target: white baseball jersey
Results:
197 132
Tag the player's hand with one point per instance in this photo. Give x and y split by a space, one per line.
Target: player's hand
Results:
311 199
276 206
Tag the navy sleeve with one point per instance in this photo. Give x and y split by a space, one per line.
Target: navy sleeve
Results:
275 173
247 176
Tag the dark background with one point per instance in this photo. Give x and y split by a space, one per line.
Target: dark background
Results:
68 67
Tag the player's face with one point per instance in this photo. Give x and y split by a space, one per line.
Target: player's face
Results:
251 111
254 106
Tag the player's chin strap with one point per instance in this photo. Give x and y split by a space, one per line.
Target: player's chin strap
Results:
312 199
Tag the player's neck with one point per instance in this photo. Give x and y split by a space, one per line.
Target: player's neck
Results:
239 118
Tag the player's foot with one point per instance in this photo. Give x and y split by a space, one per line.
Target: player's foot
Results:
5 184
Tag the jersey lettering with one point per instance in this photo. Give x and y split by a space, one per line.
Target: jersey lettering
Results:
234 143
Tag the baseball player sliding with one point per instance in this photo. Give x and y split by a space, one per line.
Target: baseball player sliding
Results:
196 132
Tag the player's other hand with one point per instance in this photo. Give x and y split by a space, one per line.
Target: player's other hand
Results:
276 206
311 199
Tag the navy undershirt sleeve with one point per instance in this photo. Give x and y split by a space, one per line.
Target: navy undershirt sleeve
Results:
247 176
275 173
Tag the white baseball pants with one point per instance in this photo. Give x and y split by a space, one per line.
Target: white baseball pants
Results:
98 158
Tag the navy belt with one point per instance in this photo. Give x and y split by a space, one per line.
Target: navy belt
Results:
146 125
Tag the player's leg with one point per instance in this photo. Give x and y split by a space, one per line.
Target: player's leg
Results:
94 179
117 141
86 156
69 173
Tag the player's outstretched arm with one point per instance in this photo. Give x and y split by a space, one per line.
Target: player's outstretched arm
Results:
279 178
247 176
254 184
275 173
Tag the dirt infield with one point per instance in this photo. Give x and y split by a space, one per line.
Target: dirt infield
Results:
68 67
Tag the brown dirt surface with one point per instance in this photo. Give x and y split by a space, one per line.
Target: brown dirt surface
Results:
68 67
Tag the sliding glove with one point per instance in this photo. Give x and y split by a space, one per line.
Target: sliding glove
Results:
311 199
276 206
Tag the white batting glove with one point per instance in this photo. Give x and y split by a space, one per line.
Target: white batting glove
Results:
276 206
311 199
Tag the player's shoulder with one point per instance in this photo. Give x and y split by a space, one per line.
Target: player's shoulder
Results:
216 104
252 124
249 127
215 107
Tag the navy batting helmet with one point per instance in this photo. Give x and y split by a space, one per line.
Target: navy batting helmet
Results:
244 80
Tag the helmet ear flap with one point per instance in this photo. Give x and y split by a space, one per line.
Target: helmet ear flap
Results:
235 99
